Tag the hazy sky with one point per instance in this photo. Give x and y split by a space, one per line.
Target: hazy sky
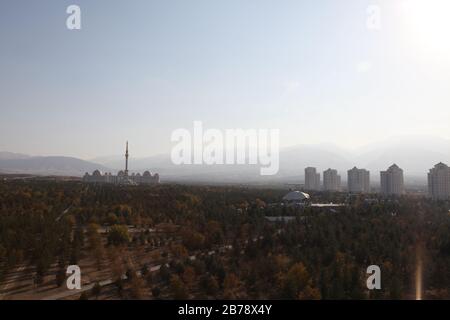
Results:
137 70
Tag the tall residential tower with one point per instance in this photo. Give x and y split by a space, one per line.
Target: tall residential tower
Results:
358 180
331 180
392 182
439 182
312 179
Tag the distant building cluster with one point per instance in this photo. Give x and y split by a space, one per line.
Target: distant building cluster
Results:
391 181
123 177
358 180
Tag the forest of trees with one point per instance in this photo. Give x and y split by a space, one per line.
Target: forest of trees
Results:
321 254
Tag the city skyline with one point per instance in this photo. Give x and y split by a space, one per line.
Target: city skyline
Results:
392 181
316 178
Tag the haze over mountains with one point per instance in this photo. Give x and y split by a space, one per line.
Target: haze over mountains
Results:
54 165
416 155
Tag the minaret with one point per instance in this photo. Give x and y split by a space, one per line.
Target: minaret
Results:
126 161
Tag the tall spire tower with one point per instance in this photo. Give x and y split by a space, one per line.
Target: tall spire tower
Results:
126 161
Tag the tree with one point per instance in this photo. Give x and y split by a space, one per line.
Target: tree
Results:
84 296
137 286
95 243
119 286
156 292
298 285
178 251
2 252
230 286
164 273
144 270
118 235
209 285
192 240
96 290
214 234
116 264
178 288
60 276
112 219
189 276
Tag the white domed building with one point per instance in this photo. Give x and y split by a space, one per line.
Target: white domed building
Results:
297 198
122 177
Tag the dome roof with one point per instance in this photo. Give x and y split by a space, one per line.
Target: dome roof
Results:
96 173
121 173
296 196
147 174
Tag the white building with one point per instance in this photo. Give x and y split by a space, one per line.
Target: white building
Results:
297 198
439 182
358 180
392 182
122 177
312 179
331 180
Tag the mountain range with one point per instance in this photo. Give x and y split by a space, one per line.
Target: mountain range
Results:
54 165
416 155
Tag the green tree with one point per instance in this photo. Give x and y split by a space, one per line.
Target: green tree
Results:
118 235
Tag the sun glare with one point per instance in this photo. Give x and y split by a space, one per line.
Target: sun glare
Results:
428 25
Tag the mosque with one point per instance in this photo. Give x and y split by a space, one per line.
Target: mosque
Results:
122 177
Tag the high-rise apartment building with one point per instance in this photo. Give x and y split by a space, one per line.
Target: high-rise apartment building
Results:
392 182
358 180
331 180
312 179
439 182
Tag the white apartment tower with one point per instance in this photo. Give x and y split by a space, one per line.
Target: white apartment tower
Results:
312 179
358 180
392 182
331 180
439 182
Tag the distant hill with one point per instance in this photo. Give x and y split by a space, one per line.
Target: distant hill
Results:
10 155
48 165
416 155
